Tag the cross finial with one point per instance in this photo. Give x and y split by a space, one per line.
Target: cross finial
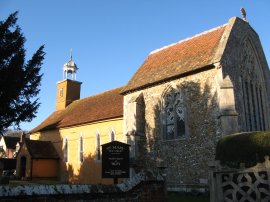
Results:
244 14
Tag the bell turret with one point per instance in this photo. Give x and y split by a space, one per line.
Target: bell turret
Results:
68 90
70 69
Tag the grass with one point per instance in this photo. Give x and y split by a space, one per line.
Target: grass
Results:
177 197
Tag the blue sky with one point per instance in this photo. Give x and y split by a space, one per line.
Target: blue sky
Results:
111 39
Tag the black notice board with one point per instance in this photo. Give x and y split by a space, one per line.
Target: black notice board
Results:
115 160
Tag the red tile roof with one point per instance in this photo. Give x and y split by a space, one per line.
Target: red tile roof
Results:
177 59
106 105
41 149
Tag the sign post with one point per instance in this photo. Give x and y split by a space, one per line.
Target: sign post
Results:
115 160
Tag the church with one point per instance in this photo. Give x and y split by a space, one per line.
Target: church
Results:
189 94
78 128
179 103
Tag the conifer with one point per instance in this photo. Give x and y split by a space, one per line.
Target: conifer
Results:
19 79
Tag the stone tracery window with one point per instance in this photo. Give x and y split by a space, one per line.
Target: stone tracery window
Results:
174 127
252 89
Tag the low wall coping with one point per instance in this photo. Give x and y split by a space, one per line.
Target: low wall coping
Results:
36 189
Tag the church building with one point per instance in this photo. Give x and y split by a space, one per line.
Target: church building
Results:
179 103
79 127
187 95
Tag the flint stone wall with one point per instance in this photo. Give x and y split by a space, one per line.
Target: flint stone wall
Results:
186 159
231 96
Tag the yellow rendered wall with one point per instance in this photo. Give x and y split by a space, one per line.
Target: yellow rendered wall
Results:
89 171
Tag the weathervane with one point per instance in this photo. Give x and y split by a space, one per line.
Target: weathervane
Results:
244 14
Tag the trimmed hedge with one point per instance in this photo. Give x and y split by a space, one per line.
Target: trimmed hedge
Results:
249 148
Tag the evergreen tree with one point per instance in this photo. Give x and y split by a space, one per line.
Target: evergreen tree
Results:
19 79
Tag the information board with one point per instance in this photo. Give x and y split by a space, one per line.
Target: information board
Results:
115 160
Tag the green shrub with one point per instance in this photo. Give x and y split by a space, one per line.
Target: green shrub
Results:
249 148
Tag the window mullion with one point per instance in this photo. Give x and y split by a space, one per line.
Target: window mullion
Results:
175 122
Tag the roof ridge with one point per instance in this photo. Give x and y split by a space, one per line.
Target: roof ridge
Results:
187 39
97 94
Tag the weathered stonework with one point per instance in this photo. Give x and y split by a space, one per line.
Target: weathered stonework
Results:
243 61
231 95
186 159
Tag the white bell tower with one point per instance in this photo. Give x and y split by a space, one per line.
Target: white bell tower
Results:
70 69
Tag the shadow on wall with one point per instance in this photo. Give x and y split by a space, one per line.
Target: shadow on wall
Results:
57 141
185 157
88 171
194 150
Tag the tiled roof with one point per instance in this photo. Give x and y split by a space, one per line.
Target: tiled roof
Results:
11 142
98 107
41 149
177 59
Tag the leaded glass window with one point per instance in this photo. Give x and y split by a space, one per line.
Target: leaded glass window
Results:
81 149
66 150
253 89
98 153
112 135
253 106
175 116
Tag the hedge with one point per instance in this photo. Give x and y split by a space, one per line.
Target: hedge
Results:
249 148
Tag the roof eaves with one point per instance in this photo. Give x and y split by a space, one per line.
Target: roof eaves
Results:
84 123
76 124
188 73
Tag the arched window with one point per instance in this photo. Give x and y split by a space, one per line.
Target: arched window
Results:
98 152
66 150
253 89
174 115
111 135
81 157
